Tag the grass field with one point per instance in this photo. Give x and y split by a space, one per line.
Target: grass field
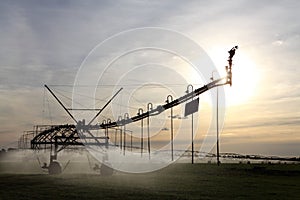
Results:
178 181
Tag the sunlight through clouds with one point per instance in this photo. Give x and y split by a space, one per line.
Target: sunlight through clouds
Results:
46 41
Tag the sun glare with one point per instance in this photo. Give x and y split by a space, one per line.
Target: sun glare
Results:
245 78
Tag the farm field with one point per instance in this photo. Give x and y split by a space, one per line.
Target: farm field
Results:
178 181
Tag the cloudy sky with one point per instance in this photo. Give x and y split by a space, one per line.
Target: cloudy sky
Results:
46 42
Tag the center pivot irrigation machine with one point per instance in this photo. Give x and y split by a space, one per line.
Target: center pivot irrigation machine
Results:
59 137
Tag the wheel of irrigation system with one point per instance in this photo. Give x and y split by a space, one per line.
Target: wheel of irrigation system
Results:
106 170
54 168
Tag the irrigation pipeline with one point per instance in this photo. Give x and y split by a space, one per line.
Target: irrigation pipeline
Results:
159 109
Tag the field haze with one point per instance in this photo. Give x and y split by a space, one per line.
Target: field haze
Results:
178 181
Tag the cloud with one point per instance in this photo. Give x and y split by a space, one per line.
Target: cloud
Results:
46 41
277 122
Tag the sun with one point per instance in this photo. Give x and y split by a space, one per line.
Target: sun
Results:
245 78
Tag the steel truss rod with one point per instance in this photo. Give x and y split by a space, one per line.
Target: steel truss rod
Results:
85 109
105 106
57 99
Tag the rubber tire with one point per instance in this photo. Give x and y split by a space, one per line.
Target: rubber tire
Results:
54 168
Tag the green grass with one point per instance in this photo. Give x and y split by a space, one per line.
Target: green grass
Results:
178 181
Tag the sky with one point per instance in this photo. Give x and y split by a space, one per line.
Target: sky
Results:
45 42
